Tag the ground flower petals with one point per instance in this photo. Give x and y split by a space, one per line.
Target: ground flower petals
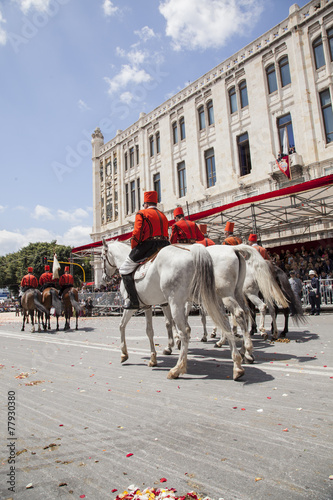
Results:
157 494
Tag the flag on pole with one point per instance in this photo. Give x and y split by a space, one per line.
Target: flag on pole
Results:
284 161
56 267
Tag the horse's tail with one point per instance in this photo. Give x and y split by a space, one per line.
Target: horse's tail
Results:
203 289
74 303
295 304
39 306
264 276
56 302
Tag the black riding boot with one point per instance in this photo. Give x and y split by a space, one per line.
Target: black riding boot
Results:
132 302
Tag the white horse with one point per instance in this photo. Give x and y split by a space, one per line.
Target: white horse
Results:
232 266
177 275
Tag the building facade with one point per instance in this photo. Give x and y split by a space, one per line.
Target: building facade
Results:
217 140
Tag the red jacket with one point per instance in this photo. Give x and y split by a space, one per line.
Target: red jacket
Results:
47 278
263 252
149 223
232 240
185 230
206 242
66 279
29 280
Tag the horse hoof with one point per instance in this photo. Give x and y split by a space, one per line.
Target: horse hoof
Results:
218 345
167 351
283 334
173 374
249 359
22 329
213 336
123 358
204 339
238 373
152 363
264 336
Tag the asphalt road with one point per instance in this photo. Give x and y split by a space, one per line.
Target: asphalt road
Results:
85 424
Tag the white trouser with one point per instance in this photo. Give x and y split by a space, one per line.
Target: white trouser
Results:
128 266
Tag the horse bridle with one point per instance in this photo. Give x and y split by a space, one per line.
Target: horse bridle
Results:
106 260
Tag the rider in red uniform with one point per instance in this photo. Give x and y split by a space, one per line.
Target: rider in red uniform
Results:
65 281
46 279
253 242
29 280
150 234
230 239
207 242
183 230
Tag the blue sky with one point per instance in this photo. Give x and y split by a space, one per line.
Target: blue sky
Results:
68 66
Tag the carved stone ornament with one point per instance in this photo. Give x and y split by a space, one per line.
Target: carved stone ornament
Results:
97 134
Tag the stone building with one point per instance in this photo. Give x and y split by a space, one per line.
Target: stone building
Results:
216 142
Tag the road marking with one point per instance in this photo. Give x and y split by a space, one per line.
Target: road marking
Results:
291 368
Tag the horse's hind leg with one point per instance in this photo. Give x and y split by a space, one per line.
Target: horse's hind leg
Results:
22 329
169 326
127 314
239 316
275 331
178 314
150 335
204 324
286 322
32 322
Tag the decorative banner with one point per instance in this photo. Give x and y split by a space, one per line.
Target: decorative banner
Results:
56 267
284 166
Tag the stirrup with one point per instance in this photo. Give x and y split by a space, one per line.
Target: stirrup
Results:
128 305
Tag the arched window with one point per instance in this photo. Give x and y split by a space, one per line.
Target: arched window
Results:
174 133
210 112
233 100
271 78
284 71
318 51
158 142
151 145
182 128
201 114
243 94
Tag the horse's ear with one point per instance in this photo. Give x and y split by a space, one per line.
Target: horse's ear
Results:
105 245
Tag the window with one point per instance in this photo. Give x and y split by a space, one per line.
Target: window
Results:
115 166
181 171
174 133
318 51
131 155
210 167
284 71
137 155
157 186
244 154
101 171
233 100
158 143
126 199
201 115
285 126
210 112
330 41
243 94
151 145
271 78
326 109
126 162
138 191
182 128
132 196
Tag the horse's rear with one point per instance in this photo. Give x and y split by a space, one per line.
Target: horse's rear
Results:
29 302
70 300
50 299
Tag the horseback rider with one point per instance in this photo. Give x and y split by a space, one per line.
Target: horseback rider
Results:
150 234
65 281
46 279
183 230
229 238
253 242
207 242
28 281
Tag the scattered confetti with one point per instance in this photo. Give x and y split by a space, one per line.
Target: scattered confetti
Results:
156 494
330 477
163 480
129 454
258 479
260 410
29 486
285 430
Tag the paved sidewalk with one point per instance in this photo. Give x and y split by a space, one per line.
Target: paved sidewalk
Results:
85 424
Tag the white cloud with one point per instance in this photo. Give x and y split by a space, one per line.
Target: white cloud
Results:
194 24
2 208
145 33
109 9
3 34
26 5
82 105
128 74
76 236
74 216
41 212
126 97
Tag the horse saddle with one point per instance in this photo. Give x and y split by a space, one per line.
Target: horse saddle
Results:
143 267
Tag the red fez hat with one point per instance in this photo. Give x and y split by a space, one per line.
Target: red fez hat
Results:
229 227
67 269
150 197
253 238
178 211
203 228
47 268
30 269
